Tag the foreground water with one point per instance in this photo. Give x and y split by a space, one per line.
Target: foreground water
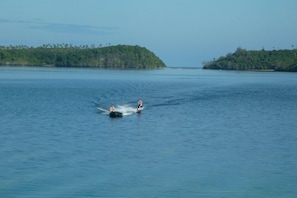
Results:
201 133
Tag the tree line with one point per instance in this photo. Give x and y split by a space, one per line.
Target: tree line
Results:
67 55
241 59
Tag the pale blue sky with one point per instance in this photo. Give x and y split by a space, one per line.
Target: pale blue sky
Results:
183 33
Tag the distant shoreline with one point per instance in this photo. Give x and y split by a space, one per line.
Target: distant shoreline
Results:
252 60
66 55
77 67
174 68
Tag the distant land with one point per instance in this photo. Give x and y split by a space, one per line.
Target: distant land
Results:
66 55
261 60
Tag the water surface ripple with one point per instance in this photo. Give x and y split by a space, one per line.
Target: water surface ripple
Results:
201 134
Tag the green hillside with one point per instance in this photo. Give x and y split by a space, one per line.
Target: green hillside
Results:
65 55
241 59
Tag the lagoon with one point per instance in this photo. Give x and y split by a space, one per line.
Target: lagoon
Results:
202 133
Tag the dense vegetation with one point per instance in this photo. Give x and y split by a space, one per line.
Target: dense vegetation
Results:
65 55
241 59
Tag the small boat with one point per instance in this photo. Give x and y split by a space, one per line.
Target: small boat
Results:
115 114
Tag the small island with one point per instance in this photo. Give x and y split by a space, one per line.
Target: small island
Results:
253 60
67 55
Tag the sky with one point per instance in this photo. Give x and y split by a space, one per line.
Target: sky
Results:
182 33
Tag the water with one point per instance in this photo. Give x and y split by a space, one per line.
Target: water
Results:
201 133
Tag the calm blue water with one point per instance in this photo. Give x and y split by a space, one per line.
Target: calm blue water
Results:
201 134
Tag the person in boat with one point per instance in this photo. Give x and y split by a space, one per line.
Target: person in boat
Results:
111 108
139 104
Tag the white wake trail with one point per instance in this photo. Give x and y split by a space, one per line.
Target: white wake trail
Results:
124 109
104 111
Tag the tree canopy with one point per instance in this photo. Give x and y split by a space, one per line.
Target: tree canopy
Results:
66 55
241 59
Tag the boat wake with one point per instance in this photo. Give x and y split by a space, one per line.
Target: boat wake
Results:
124 109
